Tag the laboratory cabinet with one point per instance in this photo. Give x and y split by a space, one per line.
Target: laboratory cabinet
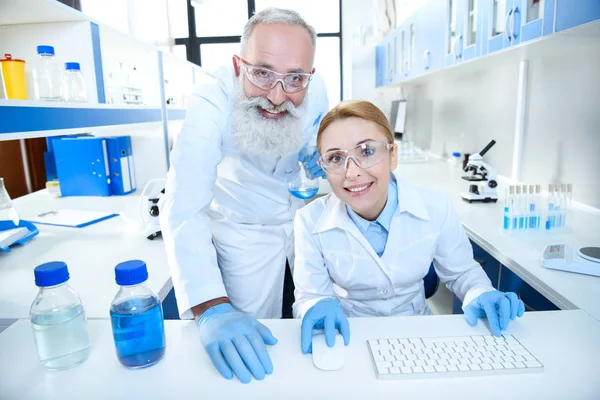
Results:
442 33
465 30
505 280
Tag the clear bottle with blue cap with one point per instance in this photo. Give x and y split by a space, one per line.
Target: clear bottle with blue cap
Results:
48 76
137 318
74 83
58 319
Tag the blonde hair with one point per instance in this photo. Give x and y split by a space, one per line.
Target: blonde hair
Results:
360 109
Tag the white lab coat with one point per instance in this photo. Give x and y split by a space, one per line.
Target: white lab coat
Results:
334 259
218 198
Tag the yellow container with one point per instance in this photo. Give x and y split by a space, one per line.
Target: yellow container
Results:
13 77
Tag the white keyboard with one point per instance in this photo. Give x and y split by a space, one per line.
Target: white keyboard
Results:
443 357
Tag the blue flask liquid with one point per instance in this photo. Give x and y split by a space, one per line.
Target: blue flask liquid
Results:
137 318
139 337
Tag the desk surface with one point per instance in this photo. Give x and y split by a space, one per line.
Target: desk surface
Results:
520 252
91 254
566 342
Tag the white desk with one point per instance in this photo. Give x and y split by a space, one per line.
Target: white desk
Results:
91 254
520 252
566 342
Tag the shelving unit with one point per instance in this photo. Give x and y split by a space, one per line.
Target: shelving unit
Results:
106 57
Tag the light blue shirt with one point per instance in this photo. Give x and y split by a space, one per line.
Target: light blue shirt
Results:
376 232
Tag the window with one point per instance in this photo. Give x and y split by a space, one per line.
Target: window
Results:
323 15
220 17
327 63
214 33
215 55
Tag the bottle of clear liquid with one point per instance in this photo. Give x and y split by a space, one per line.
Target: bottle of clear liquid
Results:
74 83
7 211
47 76
303 185
58 319
137 318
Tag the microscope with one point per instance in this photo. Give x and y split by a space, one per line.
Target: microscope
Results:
153 191
483 178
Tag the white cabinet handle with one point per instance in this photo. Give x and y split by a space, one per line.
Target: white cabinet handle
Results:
507 34
427 57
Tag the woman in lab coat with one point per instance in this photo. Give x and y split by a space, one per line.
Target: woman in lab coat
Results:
364 249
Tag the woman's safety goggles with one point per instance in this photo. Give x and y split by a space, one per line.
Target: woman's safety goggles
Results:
266 79
364 155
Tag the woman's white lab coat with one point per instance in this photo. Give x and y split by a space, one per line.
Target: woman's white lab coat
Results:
334 259
226 216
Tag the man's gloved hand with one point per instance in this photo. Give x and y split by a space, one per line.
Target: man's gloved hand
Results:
235 342
498 307
309 156
325 314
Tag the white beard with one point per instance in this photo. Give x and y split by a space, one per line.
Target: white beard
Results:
262 136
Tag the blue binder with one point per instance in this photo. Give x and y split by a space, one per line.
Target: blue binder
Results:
82 166
122 171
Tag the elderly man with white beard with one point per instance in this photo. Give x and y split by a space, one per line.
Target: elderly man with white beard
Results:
226 216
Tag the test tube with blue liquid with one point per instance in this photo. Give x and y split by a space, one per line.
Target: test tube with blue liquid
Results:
508 207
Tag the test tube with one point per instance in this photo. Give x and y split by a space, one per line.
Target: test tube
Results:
538 201
569 199
508 207
526 202
550 207
531 199
519 208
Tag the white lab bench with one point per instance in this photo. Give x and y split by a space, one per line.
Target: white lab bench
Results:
565 342
520 252
91 254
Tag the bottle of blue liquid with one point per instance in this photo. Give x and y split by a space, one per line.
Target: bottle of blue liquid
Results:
137 318
58 319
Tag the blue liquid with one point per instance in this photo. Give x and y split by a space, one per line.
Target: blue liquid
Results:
304 193
139 336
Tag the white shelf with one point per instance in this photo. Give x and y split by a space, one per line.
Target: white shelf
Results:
27 119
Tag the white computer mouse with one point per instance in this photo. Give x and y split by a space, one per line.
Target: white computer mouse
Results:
328 358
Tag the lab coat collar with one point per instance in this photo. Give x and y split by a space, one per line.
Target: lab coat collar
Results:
335 215
410 201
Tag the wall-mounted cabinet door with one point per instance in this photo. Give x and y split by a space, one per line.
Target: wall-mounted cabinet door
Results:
400 44
430 37
537 18
380 65
571 13
454 43
473 28
499 14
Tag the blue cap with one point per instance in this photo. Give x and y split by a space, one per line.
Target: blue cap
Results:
131 272
51 274
45 50
456 154
72 66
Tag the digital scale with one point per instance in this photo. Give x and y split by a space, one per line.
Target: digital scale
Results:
586 260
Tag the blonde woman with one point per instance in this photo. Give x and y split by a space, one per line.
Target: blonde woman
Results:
364 249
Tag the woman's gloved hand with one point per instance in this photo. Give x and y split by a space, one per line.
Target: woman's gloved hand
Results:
498 307
325 314
309 156
235 342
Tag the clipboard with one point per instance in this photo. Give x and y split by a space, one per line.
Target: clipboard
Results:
71 218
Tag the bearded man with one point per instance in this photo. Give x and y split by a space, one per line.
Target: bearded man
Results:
226 217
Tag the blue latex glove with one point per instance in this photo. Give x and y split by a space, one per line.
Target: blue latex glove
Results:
235 342
326 314
498 307
309 156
